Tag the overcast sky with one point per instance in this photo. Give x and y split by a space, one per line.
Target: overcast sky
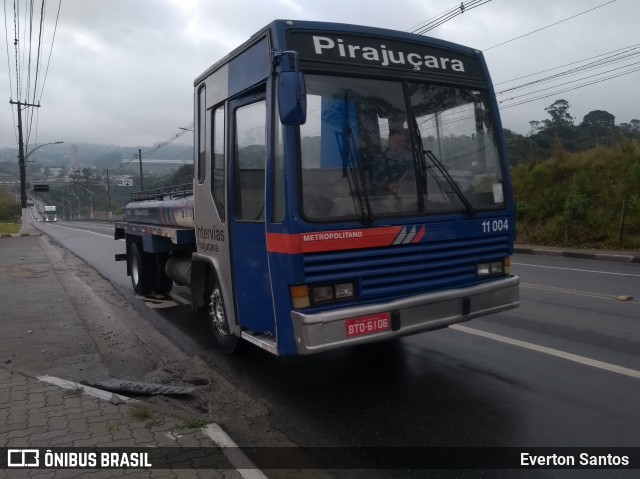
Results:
121 71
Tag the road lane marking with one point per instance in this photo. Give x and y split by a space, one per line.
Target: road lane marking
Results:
614 368
579 270
577 292
86 231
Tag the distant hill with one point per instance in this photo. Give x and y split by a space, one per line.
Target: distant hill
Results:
98 156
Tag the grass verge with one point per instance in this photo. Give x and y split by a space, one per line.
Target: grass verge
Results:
9 228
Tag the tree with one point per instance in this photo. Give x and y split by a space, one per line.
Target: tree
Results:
183 175
599 118
559 112
534 127
632 127
520 148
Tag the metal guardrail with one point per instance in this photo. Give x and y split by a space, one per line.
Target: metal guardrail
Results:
165 193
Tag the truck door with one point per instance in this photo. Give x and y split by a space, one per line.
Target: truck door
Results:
252 284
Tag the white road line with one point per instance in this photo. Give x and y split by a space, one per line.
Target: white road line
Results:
552 352
579 270
86 231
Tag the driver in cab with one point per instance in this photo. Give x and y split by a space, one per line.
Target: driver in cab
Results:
390 169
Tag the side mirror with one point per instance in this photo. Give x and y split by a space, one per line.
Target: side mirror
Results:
292 98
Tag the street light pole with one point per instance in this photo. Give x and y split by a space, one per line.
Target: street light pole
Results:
40 146
65 200
23 159
109 196
77 198
90 199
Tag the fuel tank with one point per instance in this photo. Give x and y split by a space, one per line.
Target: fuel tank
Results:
164 212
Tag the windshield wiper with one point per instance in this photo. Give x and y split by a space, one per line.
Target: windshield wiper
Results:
352 165
443 170
438 164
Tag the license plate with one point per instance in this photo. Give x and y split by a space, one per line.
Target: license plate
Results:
368 324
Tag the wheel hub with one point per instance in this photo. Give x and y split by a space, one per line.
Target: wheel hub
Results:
216 311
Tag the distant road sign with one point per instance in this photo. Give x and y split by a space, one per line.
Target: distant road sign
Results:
41 188
124 182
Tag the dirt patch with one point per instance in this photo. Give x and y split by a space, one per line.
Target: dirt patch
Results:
19 272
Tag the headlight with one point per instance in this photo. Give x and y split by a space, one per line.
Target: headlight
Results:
484 269
322 294
344 290
494 268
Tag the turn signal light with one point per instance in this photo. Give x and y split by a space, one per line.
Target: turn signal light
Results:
300 296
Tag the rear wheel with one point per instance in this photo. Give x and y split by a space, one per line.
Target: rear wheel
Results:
219 322
143 270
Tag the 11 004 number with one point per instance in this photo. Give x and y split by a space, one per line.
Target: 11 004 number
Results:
495 226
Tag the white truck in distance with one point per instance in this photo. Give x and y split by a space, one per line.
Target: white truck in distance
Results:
50 214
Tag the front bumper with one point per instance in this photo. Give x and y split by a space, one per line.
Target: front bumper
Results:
426 312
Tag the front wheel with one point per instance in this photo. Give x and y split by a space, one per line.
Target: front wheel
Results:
219 322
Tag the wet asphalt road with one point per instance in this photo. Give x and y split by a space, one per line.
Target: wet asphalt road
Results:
563 370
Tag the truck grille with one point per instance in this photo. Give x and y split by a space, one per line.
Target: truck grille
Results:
398 270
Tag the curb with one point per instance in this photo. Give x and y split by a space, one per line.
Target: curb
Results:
91 391
623 258
18 235
218 436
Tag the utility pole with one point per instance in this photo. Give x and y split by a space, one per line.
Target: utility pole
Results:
21 158
141 179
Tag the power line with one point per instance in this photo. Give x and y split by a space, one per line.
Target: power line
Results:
551 25
183 131
445 16
577 70
53 39
599 61
566 90
15 47
628 48
37 67
6 37
28 51
578 80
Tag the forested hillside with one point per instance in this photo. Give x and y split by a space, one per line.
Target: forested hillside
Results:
578 185
597 128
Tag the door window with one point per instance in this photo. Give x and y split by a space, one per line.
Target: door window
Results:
250 151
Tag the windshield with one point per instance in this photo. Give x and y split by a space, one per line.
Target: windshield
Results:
374 148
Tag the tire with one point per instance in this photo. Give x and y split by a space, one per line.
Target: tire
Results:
163 283
219 323
143 270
